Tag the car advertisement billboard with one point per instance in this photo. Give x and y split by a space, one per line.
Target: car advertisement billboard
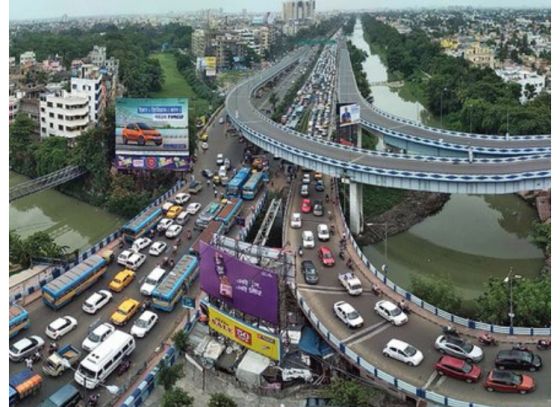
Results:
348 114
257 340
246 287
152 133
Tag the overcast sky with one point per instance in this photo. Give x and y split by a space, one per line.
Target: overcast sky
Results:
27 9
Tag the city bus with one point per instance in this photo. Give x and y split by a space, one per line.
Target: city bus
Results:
79 278
229 212
206 236
253 186
104 359
175 284
207 214
141 224
234 186
19 319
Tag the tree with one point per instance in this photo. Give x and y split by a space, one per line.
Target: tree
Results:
343 392
530 91
21 145
39 244
273 100
51 155
176 397
542 235
221 400
180 339
439 292
168 375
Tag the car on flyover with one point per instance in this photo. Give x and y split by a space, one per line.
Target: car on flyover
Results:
403 352
295 221
509 382
309 271
326 256
458 347
515 359
391 312
306 206
141 134
458 369
348 314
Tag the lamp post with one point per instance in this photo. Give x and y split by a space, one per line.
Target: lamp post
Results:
441 107
509 280
384 224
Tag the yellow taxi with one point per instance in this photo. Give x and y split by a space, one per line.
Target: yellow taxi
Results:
203 137
216 179
174 211
125 312
122 280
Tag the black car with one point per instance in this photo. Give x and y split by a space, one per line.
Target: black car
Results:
207 173
309 271
319 186
518 360
318 208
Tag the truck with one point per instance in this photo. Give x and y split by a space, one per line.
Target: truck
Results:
55 365
24 384
351 283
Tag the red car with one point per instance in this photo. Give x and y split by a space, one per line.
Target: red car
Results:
506 381
141 133
458 368
326 256
306 206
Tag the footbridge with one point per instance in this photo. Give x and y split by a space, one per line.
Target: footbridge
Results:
46 182
416 138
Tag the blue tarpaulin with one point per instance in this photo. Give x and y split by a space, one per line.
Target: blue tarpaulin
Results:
312 344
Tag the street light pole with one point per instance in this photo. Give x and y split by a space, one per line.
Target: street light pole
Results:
509 280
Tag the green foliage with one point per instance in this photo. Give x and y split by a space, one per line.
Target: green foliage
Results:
344 392
21 145
439 292
167 376
180 339
124 199
357 57
531 302
378 200
51 155
221 400
542 235
176 397
348 27
39 244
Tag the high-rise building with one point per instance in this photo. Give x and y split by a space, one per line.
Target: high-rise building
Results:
198 43
63 115
298 10
88 84
98 55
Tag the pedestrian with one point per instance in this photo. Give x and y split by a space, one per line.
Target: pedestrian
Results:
29 363
208 182
215 193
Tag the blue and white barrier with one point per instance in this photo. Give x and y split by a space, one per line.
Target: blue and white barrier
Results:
250 221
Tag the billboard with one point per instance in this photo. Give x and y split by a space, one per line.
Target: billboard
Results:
152 133
257 340
348 114
246 287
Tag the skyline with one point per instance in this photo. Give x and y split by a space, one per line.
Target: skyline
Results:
52 9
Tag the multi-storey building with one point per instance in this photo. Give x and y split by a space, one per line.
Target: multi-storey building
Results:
480 56
13 108
89 84
524 78
98 55
27 58
298 10
199 42
64 115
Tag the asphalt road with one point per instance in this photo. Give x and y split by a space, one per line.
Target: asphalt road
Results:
348 92
369 341
237 104
41 315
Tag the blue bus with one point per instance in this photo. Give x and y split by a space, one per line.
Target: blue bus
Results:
253 186
175 284
207 215
234 186
141 224
229 212
19 319
63 289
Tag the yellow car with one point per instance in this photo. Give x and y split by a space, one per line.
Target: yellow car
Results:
125 312
122 280
203 137
216 180
173 212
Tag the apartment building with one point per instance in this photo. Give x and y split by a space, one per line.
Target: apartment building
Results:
13 108
480 56
89 84
63 115
199 42
98 55
27 58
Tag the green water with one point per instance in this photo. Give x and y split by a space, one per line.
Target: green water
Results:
70 222
472 238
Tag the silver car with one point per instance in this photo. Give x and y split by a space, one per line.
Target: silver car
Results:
455 346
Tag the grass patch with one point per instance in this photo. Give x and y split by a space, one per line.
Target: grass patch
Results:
369 140
378 200
175 85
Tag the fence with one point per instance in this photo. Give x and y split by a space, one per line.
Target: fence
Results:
250 220
35 282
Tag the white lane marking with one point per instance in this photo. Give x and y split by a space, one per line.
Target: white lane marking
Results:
430 379
363 332
440 381
369 335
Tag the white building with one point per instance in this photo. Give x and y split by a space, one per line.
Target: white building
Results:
63 115
14 107
89 87
27 58
98 55
522 77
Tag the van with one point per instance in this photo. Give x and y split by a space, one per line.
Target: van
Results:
182 218
152 280
66 396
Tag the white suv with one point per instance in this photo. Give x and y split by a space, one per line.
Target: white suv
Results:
389 311
135 261
323 233
348 314
124 256
96 301
404 352
295 222
308 239
97 336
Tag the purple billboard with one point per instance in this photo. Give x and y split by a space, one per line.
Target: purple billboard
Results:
248 288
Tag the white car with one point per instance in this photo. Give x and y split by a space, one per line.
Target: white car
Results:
166 206
295 221
193 208
220 159
124 256
164 224
389 311
404 352
135 261
182 198
25 347
144 324
97 336
60 327
227 164
157 248
308 239
221 120
306 178
204 145
347 314
173 231
96 301
323 233
141 243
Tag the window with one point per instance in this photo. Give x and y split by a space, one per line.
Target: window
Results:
60 117
59 105
60 127
49 104
51 115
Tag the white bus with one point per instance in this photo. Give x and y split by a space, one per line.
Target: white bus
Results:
101 362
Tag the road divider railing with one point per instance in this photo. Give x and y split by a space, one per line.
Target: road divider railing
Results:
34 283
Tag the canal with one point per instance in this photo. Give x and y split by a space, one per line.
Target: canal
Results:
472 238
69 221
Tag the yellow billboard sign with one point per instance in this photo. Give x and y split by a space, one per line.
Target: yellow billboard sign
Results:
252 338
210 63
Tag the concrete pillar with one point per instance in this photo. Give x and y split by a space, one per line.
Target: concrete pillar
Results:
356 207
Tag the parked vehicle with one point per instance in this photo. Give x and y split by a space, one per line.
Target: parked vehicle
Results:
57 363
509 382
351 283
67 395
458 369
403 352
24 384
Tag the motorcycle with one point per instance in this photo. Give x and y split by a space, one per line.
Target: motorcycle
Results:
349 264
123 367
189 234
450 330
404 307
543 344
520 346
375 289
487 339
